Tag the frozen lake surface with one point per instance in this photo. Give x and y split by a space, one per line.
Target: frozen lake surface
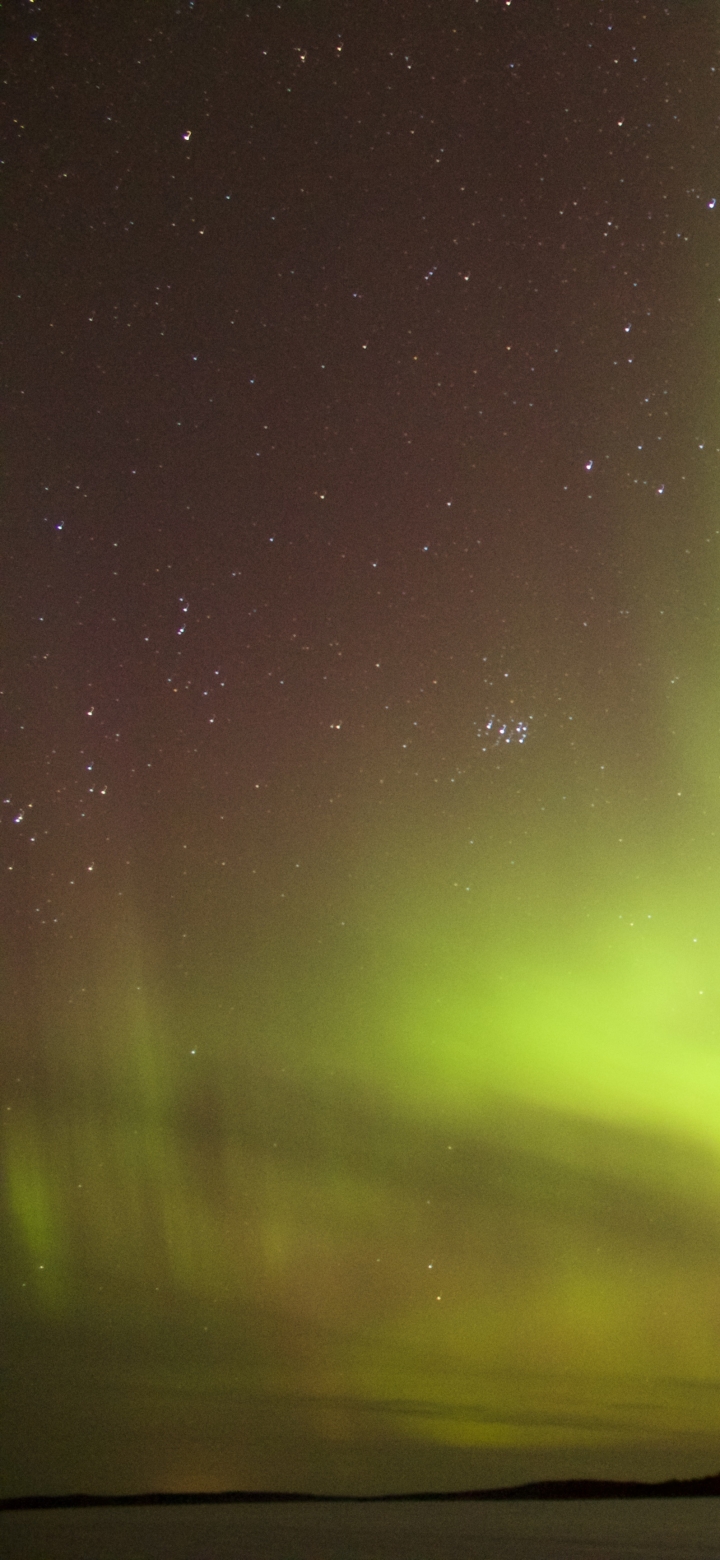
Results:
428 1530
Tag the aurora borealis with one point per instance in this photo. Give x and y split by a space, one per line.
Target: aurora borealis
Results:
361 751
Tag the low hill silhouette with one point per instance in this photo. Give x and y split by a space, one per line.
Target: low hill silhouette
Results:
547 1489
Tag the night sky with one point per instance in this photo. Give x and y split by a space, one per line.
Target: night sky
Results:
361 743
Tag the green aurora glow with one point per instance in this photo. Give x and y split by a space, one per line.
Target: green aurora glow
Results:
361 1083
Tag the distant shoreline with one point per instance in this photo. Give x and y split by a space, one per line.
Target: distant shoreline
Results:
550 1489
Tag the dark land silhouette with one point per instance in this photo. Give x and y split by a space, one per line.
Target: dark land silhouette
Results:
548 1489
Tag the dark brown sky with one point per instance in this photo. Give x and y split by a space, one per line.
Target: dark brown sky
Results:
360 749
